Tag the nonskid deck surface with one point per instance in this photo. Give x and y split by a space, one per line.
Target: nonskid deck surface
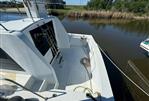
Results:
71 71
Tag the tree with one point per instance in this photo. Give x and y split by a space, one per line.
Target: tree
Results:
99 4
136 6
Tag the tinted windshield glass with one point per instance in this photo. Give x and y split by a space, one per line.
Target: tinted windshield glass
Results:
44 38
7 62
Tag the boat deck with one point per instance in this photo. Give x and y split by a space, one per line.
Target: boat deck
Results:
60 96
71 71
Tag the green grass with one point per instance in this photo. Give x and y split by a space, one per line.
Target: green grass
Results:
75 8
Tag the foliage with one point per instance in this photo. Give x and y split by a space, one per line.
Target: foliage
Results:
8 4
99 4
136 6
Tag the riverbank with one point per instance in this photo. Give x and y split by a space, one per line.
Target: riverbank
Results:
80 12
107 15
12 10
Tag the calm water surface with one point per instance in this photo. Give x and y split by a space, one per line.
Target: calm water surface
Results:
120 39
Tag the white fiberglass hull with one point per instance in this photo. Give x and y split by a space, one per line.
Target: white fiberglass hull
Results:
145 45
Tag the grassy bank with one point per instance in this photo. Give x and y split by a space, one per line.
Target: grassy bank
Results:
12 10
107 15
68 10
81 12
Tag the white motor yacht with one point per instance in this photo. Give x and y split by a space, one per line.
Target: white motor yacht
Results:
40 61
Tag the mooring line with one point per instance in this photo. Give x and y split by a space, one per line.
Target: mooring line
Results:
139 73
123 72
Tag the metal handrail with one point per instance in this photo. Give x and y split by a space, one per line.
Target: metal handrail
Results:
24 88
4 27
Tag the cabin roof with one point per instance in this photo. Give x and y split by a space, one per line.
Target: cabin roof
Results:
17 25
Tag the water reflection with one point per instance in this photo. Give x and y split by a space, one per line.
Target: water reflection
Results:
136 27
10 16
139 28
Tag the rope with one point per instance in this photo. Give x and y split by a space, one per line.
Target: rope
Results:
89 77
145 80
89 90
123 72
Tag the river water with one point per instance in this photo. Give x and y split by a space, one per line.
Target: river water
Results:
120 39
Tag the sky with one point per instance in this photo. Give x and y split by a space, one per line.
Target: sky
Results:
68 2
76 2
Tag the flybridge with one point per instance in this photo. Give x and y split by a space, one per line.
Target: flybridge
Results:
35 8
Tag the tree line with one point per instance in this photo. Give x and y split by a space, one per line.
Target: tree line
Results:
6 4
136 6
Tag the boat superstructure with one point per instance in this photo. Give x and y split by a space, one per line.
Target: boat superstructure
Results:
145 45
39 56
